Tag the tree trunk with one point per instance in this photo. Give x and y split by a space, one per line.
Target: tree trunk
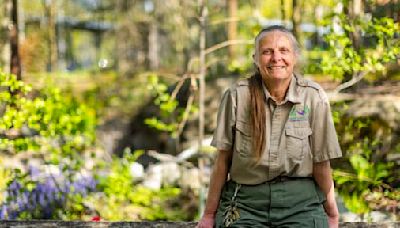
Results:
69 50
353 10
122 45
15 61
62 40
355 13
52 35
296 21
202 85
283 13
153 45
398 12
318 12
50 12
232 26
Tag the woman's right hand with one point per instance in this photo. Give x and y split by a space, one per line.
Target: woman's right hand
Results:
207 221
218 179
333 221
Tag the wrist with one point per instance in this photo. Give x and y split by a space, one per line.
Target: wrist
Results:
331 209
209 214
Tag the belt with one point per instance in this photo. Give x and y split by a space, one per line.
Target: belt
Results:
286 178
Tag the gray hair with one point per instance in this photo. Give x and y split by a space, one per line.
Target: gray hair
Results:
277 28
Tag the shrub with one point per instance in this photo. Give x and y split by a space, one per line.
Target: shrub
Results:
52 129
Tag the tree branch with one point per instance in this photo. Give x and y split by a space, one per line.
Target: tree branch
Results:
179 85
188 106
225 44
354 80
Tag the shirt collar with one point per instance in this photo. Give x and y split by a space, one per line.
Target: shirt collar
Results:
292 94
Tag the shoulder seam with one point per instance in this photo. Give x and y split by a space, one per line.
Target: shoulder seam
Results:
308 83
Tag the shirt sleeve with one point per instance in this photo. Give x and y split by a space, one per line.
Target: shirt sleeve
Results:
324 140
223 137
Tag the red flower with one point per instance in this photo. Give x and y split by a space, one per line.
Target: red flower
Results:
96 218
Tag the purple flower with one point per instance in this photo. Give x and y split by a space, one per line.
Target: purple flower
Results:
48 195
14 186
42 201
3 212
33 171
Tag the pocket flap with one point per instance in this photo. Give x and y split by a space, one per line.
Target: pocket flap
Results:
243 128
299 133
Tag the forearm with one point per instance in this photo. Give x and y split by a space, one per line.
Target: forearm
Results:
323 176
330 205
217 181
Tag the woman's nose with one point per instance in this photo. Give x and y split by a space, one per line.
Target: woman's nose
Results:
276 56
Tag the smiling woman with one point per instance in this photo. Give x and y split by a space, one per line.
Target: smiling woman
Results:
275 137
275 57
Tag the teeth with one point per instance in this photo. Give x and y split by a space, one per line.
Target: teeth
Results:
276 67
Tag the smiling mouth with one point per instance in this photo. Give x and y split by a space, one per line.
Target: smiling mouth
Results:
275 67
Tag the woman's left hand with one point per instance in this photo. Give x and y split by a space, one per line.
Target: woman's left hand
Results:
207 221
333 221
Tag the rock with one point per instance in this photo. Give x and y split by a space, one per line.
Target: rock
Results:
192 151
171 171
385 107
81 224
165 173
153 177
190 178
136 170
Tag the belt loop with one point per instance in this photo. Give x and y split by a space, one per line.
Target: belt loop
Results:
236 191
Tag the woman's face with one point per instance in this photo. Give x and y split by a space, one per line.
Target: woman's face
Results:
276 56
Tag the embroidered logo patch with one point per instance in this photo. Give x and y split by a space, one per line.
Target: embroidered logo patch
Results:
299 113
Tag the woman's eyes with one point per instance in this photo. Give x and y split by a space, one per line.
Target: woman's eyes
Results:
270 52
267 52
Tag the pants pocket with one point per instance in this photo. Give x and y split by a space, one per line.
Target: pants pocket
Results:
320 195
227 202
321 223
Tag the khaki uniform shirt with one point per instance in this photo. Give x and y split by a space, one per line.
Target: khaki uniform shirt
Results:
299 132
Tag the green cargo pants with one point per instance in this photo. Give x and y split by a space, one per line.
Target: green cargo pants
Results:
288 204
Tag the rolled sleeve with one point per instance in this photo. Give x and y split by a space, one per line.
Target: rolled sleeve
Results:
324 140
224 132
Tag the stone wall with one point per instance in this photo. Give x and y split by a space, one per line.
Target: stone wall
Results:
80 224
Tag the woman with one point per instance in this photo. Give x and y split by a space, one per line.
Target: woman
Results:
275 137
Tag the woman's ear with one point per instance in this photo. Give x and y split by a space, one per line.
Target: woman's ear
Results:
255 61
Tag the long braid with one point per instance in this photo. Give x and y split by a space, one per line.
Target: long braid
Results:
257 115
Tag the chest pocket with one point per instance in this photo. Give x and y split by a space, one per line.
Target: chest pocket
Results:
297 143
243 138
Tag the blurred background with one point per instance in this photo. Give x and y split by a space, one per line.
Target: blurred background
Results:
107 107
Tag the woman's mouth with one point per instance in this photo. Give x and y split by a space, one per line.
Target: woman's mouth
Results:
275 67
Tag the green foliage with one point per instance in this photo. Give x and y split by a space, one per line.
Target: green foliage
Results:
60 129
172 117
107 92
343 58
241 67
51 126
364 174
46 122
6 176
124 199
